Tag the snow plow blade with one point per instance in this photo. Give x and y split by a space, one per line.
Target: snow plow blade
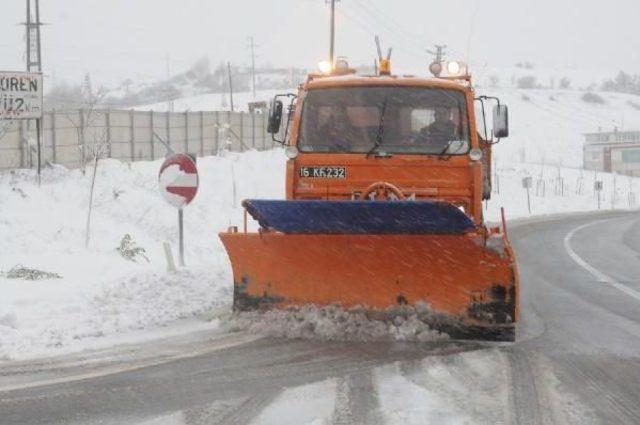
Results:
380 256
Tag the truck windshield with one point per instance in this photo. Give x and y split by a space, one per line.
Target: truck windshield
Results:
401 119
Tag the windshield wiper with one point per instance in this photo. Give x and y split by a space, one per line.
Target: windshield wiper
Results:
446 148
380 133
444 157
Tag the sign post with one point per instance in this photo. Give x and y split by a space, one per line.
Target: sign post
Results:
21 99
178 180
598 188
526 183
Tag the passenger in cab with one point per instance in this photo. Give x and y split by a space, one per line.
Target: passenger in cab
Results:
338 132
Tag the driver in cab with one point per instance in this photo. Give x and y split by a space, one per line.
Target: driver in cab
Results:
441 131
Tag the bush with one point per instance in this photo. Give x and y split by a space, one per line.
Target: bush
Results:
634 105
527 82
590 97
525 65
129 250
623 83
21 272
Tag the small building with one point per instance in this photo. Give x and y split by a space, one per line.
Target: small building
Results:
613 151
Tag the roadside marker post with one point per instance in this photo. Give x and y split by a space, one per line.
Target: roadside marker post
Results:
598 188
526 184
179 181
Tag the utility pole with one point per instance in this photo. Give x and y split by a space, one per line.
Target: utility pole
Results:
34 63
170 105
332 36
252 46
230 84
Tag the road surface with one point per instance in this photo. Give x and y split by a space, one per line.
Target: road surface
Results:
577 359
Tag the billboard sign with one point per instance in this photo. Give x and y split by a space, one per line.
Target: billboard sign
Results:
20 95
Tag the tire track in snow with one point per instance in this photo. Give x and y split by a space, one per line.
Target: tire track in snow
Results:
523 395
244 412
357 401
472 384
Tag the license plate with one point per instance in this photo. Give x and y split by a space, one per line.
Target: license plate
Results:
323 172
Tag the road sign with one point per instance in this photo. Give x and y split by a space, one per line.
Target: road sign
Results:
178 179
20 95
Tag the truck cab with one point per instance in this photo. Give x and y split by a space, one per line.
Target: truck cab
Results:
419 136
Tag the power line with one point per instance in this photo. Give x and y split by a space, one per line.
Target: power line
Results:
371 30
389 25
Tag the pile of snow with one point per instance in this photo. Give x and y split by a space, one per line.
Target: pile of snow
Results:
338 324
101 293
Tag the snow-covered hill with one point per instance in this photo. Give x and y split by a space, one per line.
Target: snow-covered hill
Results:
547 125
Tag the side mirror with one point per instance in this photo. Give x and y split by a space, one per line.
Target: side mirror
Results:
500 121
275 117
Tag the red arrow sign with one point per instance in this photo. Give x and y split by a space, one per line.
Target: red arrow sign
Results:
178 180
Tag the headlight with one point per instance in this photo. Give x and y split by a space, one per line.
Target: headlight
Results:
291 152
475 154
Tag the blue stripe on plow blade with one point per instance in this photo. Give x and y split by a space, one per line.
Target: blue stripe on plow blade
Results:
359 217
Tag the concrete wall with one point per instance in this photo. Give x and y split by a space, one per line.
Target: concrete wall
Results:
127 135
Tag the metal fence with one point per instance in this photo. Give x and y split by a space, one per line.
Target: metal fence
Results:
70 138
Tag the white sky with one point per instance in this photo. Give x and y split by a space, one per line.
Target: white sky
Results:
115 39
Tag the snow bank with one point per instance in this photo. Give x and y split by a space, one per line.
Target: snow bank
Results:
101 293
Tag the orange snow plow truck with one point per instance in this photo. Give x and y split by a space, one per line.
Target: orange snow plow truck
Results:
385 180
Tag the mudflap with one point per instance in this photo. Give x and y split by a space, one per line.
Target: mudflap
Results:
471 287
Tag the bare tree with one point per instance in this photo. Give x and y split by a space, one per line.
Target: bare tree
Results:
99 146
99 150
87 115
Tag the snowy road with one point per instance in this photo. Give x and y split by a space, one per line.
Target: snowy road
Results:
577 359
